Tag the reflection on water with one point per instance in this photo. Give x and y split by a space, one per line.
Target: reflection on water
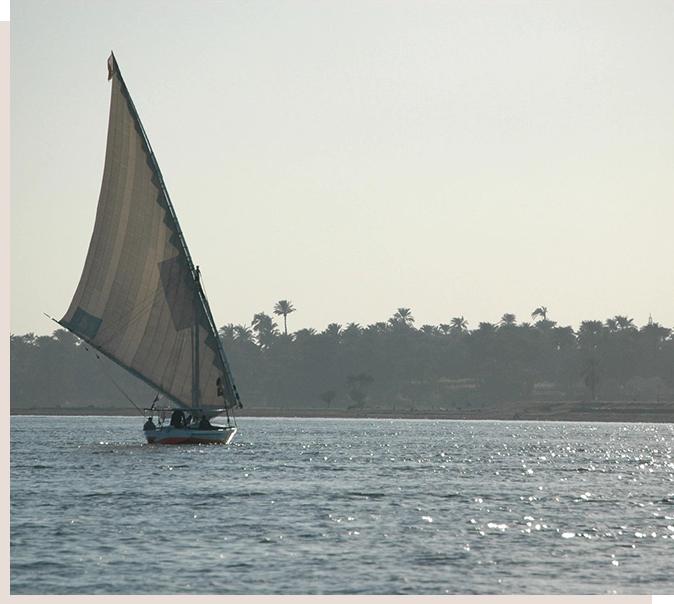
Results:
343 506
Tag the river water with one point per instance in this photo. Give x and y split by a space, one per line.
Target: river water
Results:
329 506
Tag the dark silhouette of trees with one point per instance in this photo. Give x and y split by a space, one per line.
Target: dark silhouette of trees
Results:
592 375
357 385
60 372
389 364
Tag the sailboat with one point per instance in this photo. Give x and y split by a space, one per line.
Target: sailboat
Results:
140 300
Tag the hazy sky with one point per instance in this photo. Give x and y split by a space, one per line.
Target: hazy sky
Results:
457 158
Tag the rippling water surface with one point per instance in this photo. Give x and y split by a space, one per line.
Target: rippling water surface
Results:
343 506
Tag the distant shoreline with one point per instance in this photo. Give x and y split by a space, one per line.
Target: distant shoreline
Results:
600 411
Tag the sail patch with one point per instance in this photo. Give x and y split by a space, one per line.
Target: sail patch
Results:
84 324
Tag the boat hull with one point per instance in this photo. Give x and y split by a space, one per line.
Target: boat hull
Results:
187 436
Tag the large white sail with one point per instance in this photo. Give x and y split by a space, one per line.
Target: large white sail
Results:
139 300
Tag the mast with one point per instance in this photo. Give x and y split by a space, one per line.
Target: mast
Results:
196 389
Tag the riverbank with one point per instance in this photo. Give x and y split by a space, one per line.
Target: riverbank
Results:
599 411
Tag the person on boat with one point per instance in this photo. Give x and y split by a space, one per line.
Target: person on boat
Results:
149 424
204 424
178 419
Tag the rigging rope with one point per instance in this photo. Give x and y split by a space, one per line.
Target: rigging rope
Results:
128 398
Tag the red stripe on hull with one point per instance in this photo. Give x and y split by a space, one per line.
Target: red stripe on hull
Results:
218 438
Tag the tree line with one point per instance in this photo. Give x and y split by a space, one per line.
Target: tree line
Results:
392 364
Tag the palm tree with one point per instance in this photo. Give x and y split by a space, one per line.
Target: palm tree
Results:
403 316
611 325
227 332
376 328
333 331
29 338
352 331
485 327
430 330
263 322
284 307
445 328
242 333
541 311
589 334
265 329
304 335
458 324
508 319
623 322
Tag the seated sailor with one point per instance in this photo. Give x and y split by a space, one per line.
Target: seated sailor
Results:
178 419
